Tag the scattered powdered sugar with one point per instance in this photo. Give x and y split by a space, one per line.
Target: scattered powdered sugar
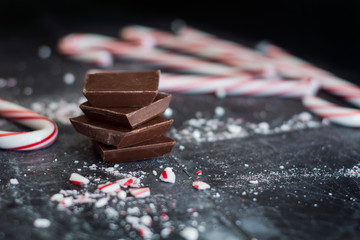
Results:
210 130
59 111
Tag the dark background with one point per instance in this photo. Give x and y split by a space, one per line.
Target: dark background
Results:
324 32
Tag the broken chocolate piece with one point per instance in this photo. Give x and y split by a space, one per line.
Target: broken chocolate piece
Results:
128 117
118 136
121 89
150 149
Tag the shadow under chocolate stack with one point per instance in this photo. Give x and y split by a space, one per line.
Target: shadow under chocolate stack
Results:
122 115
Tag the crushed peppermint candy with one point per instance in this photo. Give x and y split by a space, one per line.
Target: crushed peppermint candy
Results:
78 179
254 181
14 181
129 182
109 187
201 129
199 172
122 194
168 175
190 233
59 111
140 192
42 223
101 202
200 185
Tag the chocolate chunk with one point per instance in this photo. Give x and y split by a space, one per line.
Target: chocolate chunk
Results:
121 89
118 136
150 149
128 117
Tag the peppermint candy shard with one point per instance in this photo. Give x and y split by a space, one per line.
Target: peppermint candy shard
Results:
78 179
109 187
200 185
140 192
129 182
168 175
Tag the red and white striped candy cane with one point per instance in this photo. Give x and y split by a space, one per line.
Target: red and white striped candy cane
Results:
76 45
345 116
298 67
349 117
44 134
244 58
246 86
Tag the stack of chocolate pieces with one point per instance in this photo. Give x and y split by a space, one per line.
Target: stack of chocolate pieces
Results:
122 115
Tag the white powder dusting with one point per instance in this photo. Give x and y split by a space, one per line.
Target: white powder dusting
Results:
211 130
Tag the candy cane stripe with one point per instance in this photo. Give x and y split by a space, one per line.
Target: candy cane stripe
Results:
44 134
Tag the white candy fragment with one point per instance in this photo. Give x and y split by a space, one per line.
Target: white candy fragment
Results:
14 181
200 185
42 223
140 192
168 112
190 233
219 111
78 179
101 202
93 167
135 211
146 220
122 195
69 78
66 202
168 175
58 197
254 181
109 187
129 182
145 232
165 232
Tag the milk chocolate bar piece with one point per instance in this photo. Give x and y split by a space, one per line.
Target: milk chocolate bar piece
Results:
156 147
119 136
121 89
128 117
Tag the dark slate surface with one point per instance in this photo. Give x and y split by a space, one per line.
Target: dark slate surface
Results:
300 195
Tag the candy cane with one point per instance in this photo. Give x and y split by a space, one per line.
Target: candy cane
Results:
349 117
244 57
44 134
329 82
77 45
194 84
228 48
